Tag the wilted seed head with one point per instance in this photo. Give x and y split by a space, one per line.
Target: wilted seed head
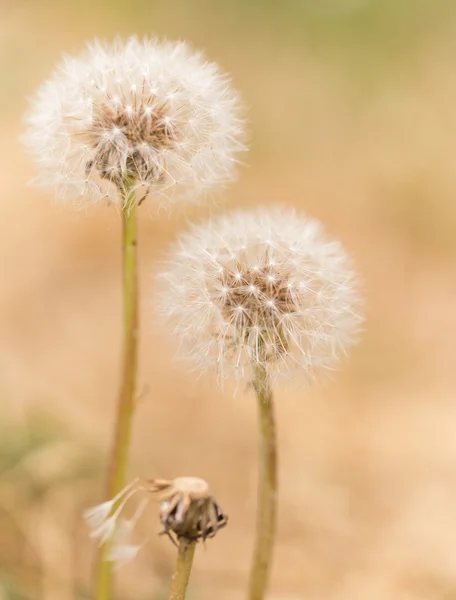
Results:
188 509
261 288
152 115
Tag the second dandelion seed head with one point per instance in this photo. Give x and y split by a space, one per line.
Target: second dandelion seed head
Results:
261 288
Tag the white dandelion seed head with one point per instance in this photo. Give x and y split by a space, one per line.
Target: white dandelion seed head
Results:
261 287
149 114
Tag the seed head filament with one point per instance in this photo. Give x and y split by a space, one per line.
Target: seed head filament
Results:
129 138
253 302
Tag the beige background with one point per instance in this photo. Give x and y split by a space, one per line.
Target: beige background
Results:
353 119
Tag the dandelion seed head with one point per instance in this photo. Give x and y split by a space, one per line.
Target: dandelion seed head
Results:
280 295
151 113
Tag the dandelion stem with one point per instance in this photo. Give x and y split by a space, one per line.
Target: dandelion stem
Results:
126 402
267 491
181 575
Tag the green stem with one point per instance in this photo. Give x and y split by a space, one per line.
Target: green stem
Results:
183 569
126 401
267 491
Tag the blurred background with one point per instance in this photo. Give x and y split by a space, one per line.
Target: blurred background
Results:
352 119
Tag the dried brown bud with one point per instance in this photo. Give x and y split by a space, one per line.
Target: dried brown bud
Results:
188 509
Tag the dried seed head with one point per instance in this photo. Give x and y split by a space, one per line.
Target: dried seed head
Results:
261 288
152 115
188 509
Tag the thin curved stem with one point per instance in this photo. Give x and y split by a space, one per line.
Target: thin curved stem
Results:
181 575
267 490
127 400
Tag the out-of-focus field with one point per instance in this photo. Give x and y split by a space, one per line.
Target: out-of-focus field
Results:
352 119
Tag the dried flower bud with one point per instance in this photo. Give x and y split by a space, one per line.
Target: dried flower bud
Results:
261 288
152 115
188 509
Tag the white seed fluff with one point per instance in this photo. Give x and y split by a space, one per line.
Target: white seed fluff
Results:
261 287
149 114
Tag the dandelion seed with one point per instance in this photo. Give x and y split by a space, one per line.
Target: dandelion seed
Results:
97 515
152 116
99 518
280 295
105 531
122 550
121 555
